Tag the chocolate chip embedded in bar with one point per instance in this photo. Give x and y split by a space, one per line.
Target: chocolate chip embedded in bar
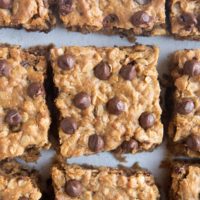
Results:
184 127
130 17
108 99
185 183
17 182
33 15
85 183
185 19
24 116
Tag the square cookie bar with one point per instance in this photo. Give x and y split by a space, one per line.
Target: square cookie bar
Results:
17 182
185 19
185 183
108 98
184 127
86 183
33 15
128 17
24 115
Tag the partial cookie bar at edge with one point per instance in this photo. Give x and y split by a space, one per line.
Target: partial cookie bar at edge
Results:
85 183
128 18
24 114
185 183
184 126
185 19
17 182
32 15
108 98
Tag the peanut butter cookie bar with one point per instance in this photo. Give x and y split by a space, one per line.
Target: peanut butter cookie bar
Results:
108 99
33 15
17 182
185 182
185 18
127 17
24 116
85 183
184 127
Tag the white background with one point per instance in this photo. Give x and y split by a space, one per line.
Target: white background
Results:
60 37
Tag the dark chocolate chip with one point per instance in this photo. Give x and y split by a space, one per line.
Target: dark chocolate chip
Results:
13 117
142 2
115 106
6 4
102 71
146 120
130 145
23 198
185 107
65 7
68 125
35 89
73 188
4 68
191 68
95 143
187 19
82 100
66 62
128 72
193 142
140 18
110 19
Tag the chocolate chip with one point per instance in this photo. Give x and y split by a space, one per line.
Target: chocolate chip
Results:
140 18
13 118
66 62
146 120
95 143
130 145
68 125
6 4
65 7
110 19
191 68
187 19
115 106
4 68
35 89
142 2
82 100
128 72
193 142
102 71
73 188
185 107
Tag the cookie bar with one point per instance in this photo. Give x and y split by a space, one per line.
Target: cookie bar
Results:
24 115
185 121
108 98
33 15
129 17
85 183
185 182
17 182
185 19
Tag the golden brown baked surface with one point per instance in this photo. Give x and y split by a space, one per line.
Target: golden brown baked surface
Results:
108 98
185 182
18 183
185 123
137 17
33 15
79 183
24 116
185 18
